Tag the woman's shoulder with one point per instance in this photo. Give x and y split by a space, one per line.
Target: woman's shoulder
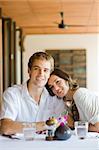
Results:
81 91
85 93
84 90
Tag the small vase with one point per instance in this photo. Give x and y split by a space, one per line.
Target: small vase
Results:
63 132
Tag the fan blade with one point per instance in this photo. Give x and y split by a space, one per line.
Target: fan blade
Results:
45 26
69 25
59 26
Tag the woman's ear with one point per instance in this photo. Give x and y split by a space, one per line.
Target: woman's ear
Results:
29 72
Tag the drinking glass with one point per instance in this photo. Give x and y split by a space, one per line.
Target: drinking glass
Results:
29 133
81 129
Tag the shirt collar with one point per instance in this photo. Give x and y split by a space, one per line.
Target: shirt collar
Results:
26 93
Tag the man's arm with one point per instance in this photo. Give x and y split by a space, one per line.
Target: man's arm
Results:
9 126
94 128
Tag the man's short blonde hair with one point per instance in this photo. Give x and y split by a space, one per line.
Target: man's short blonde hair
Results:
41 56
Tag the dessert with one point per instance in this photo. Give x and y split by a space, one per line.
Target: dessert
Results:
51 121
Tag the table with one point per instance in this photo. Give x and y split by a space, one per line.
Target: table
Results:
39 143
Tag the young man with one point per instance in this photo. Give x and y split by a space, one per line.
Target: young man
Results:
30 104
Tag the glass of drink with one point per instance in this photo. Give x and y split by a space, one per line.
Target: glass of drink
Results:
29 132
81 129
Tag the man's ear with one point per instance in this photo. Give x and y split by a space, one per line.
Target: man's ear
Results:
49 77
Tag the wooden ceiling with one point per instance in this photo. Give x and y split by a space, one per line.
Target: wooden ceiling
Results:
42 16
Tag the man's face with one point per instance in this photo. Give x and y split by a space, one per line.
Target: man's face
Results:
40 72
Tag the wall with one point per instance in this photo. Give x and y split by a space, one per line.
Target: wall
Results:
98 63
1 77
88 41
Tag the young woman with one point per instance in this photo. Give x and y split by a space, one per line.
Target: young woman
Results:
77 99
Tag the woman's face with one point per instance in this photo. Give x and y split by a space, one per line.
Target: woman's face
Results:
58 85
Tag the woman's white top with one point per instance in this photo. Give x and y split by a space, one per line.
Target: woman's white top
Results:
87 103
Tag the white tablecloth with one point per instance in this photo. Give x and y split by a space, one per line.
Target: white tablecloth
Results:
39 143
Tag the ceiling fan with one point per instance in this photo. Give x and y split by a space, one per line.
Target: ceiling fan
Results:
62 24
